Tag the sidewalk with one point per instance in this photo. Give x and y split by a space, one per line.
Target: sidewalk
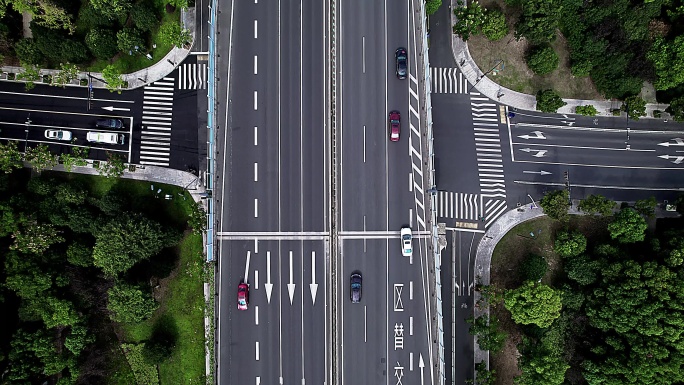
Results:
136 79
522 101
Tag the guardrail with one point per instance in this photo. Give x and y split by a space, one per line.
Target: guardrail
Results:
436 244
211 123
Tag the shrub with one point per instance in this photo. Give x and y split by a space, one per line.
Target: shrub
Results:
102 43
129 39
635 107
533 268
549 101
542 60
173 34
581 69
494 26
27 51
587 110
676 109
570 244
431 6
144 16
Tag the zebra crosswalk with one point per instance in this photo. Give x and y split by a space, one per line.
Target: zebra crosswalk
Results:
448 81
459 205
192 76
489 157
155 144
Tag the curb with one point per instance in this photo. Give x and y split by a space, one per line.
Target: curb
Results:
518 100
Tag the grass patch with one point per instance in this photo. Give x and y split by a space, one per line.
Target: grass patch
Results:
145 374
182 304
516 75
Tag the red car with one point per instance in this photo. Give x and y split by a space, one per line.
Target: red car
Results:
395 125
243 296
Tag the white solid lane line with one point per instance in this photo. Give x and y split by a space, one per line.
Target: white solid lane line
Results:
255 64
256 207
411 290
256 315
410 181
256 171
411 325
255 135
257 350
256 279
410 217
363 53
255 101
364 144
255 29
364 322
258 379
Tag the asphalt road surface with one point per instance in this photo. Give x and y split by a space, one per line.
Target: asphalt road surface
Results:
272 193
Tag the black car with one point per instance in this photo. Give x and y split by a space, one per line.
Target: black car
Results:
109 123
355 287
402 62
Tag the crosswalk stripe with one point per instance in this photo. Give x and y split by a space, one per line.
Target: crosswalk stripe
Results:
192 76
156 119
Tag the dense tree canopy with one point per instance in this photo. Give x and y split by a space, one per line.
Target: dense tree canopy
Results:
628 226
533 303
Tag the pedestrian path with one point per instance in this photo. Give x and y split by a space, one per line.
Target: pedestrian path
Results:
155 141
448 81
489 156
459 205
193 76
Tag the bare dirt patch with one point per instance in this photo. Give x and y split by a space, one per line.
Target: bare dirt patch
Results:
515 74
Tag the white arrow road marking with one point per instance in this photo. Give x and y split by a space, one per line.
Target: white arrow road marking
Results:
112 108
542 172
539 153
567 122
268 285
247 267
291 285
537 135
678 142
677 159
421 365
313 285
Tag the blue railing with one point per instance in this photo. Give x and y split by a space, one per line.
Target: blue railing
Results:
211 124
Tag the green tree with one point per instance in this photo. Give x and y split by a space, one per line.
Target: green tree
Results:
130 40
113 79
542 60
130 304
10 157
582 270
183 4
534 267
102 43
112 9
549 101
570 244
128 239
40 157
173 34
431 6
67 73
635 107
597 204
676 109
539 367
44 13
628 226
58 312
555 204
533 303
27 51
70 194
35 239
469 19
144 16
80 254
486 329
30 74
494 26
78 339
668 60
77 157
587 110
539 20
114 166
646 207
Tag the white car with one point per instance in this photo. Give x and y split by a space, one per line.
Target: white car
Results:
105 137
58 134
406 242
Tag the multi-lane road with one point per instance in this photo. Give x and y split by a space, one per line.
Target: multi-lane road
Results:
293 229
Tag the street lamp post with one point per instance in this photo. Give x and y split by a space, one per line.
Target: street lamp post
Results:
485 74
28 124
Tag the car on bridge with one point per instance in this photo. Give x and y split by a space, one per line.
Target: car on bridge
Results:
109 123
58 134
394 125
243 296
401 57
406 241
355 287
